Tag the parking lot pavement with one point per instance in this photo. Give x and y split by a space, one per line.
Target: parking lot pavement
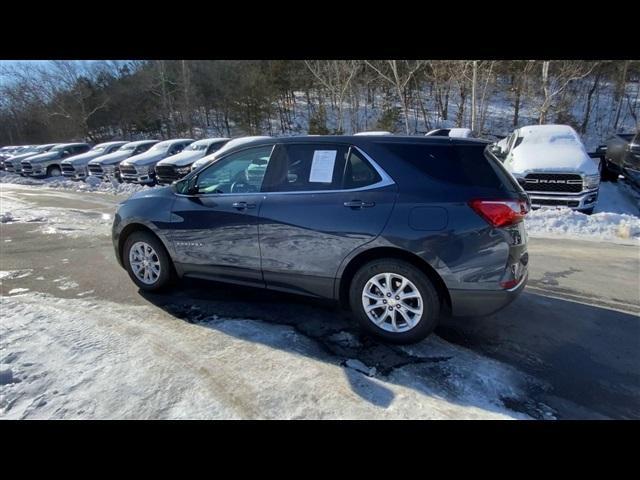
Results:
567 348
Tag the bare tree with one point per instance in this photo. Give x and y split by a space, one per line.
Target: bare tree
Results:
335 76
556 80
399 74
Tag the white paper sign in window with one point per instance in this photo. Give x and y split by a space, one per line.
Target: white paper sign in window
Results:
322 166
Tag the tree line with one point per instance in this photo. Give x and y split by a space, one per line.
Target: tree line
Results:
102 100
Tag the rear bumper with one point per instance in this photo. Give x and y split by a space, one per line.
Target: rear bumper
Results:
478 303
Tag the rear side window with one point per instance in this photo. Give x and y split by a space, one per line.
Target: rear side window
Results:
306 167
463 165
358 172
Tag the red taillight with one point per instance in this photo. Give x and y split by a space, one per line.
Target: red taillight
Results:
509 284
500 213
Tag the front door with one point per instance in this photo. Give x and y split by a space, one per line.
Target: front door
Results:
215 228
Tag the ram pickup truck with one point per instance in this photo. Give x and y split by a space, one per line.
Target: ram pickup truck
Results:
230 144
76 167
177 166
108 166
552 166
12 164
141 168
622 157
48 164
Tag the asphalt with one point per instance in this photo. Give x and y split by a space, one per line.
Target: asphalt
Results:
576 327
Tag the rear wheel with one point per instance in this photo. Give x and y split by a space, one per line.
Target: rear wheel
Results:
147 261
394 300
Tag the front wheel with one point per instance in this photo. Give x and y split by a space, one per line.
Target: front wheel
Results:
54 171
394 300
147 261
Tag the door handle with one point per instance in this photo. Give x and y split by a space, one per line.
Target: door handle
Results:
243 205
359 204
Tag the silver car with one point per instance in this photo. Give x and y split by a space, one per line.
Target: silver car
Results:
76 167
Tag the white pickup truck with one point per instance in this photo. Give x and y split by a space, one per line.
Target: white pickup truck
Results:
552 165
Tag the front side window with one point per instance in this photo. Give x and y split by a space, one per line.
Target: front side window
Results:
241 172
306 167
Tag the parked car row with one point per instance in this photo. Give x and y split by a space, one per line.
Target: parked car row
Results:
144 162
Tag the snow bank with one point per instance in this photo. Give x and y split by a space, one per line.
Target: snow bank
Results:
616 218
92 184
570 224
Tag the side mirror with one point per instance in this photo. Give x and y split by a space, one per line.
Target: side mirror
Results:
186 186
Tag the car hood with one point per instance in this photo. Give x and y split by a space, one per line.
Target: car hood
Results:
82 159
111 158
43 157
152 193
19 158
557 158
146 158
183 159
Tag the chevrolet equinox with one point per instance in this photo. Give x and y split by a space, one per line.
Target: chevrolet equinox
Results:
398 229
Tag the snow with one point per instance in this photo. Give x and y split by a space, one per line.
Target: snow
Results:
616 218
54 220
550 148
13 291
79 358
91 184
567 223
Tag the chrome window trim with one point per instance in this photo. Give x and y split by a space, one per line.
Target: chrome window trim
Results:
385 181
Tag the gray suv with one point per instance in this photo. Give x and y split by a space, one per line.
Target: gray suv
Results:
398 229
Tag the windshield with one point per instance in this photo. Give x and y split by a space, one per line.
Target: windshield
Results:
59 147
158 147
98 148
560 138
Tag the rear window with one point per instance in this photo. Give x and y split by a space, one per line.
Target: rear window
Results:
463 165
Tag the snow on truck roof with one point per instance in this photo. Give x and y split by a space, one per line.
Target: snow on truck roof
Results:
548 132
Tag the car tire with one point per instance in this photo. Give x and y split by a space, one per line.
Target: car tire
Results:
428 301
54 171
157 257
587 211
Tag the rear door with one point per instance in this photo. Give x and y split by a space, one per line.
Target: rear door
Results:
215 229
321 202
